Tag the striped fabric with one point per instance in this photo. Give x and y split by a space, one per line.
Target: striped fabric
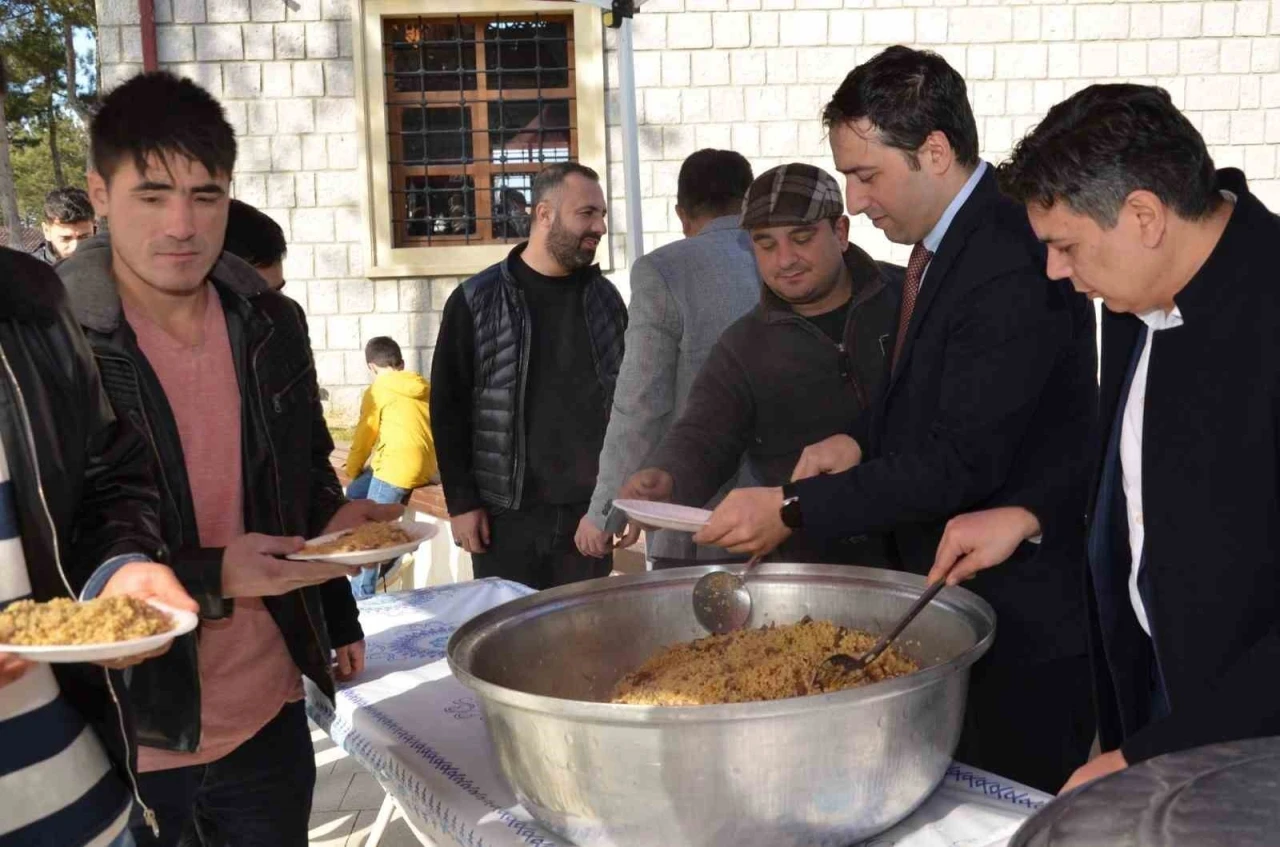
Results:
57 787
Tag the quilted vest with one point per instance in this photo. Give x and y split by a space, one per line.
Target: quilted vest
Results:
500 318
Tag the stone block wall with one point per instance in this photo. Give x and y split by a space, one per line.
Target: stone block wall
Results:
750 75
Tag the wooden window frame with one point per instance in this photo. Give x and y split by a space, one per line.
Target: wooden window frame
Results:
382 257
475 103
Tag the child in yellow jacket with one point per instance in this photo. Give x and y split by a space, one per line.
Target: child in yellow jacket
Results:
393 436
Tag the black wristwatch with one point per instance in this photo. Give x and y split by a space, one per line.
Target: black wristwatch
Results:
792 517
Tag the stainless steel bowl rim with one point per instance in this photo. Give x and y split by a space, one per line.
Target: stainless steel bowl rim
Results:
966 602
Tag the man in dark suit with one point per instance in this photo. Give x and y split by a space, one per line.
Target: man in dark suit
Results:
991 384
1184 546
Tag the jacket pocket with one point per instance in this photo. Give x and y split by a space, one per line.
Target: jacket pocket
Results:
296 390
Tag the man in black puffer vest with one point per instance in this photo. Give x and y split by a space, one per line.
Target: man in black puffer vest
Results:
522 384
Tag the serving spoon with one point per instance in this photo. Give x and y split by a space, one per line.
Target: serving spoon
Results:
836 667
721 601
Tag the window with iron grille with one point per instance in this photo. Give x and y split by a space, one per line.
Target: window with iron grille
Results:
476 106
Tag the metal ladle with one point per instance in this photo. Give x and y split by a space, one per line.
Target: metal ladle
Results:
836 667
721 601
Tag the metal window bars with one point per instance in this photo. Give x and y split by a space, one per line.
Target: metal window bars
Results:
476 106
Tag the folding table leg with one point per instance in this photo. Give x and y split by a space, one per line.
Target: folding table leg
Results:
385 811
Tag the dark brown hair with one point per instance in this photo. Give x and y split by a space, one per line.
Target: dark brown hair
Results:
1097 147
158 114
906 95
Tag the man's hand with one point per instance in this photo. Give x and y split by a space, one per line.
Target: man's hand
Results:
592 541
830 455
350 661
150 581
1107 763
250 567
147 581
471 530
748 520
357 512
11 668
629 537
981 540
648 484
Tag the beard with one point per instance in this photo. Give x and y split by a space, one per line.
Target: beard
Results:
567 247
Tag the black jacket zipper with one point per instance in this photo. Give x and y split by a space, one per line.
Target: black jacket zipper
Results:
148 814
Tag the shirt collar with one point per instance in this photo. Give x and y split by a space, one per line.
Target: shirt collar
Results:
1158 319
720 224
933 240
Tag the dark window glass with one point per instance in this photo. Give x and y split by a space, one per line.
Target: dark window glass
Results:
527 54
439 135
512 194
440 205
432 56
529 130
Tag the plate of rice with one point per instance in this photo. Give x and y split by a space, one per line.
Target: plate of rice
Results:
64 630
369 544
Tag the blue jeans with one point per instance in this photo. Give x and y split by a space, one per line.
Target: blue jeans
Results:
369 487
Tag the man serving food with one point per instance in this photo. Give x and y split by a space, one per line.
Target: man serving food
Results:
990 385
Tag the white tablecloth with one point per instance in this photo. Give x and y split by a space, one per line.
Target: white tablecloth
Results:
421 734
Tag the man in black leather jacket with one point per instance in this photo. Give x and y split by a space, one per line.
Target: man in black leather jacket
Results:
173 320
76 494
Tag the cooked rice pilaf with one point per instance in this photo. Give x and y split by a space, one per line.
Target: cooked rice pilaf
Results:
369 536
768 663
63 622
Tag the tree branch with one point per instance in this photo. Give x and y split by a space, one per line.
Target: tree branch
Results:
73 97
8 190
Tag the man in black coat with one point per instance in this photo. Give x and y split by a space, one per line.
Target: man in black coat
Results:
521 387
215 371
1183 543
991 384
68 220
78 519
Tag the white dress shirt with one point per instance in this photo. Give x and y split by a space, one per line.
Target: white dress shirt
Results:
933 240
1131 452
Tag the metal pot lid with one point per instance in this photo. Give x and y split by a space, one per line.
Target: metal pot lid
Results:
1223 795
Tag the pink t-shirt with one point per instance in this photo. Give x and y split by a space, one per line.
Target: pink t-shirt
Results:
246 672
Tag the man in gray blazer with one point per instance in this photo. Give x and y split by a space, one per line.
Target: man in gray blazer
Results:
683 296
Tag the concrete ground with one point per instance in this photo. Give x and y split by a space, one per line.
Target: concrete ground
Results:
346 801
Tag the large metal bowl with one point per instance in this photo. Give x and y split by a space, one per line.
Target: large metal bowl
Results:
829 769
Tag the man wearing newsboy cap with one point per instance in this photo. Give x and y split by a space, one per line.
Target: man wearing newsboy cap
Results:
801 366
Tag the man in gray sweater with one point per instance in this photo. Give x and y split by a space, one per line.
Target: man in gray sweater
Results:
683 296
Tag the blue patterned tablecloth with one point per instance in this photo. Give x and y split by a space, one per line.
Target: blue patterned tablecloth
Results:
422 736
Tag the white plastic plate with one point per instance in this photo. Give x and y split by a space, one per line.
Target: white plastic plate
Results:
418 533
665 515
183 622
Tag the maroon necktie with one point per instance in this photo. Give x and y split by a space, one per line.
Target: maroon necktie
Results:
910 288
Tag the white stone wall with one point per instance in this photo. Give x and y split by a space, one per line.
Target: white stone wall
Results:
750 75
